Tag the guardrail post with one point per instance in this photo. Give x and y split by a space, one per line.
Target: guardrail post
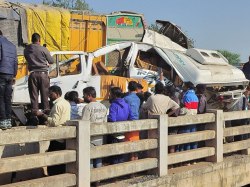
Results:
217 143
82 147
162 136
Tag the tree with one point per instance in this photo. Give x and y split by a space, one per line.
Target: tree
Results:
233 58
69 4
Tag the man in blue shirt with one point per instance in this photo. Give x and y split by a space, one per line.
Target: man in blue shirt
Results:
134 102
8 71
119 110
132 99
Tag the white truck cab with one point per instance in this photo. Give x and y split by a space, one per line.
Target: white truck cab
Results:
68 72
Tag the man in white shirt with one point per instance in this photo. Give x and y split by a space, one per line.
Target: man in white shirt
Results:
159 103
94 112
60 112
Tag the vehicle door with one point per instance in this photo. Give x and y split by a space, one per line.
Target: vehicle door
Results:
69 71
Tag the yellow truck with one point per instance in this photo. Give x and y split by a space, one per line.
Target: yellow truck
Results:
65 30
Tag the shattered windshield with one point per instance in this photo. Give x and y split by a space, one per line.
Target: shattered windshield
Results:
65 65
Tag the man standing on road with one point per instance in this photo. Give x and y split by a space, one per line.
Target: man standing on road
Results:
8 70
95 112
119 110
59 114
246 69
38 58
134 103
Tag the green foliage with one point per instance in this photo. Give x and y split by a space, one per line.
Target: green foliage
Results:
81 5
233 58
69 4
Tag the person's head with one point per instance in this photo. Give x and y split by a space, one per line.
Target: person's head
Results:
132 86
246 93
66 96
139 88
159 88
89 94
249 59
170 90
73 96
35 38
188 86
1 34
54 92
201 88
115 93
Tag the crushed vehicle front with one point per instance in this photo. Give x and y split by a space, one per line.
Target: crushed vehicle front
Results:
225 83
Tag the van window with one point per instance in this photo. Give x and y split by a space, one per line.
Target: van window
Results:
204 54
68 65
215 55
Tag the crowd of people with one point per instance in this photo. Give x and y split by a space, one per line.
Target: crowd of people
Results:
132 105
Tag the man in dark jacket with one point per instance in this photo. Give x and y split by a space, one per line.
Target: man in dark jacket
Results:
38 58
119 111
8 71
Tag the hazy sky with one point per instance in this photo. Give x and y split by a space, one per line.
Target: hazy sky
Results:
213 24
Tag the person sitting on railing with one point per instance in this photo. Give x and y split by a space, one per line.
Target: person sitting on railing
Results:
190 104
94 112
119 111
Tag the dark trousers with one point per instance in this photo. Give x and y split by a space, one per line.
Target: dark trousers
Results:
58 169
117 158
5 95
39 82
240 122
188 129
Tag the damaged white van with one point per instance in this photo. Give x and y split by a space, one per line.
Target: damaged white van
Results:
225 83
74 71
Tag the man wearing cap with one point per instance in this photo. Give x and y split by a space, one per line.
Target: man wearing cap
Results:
8 71
38 58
